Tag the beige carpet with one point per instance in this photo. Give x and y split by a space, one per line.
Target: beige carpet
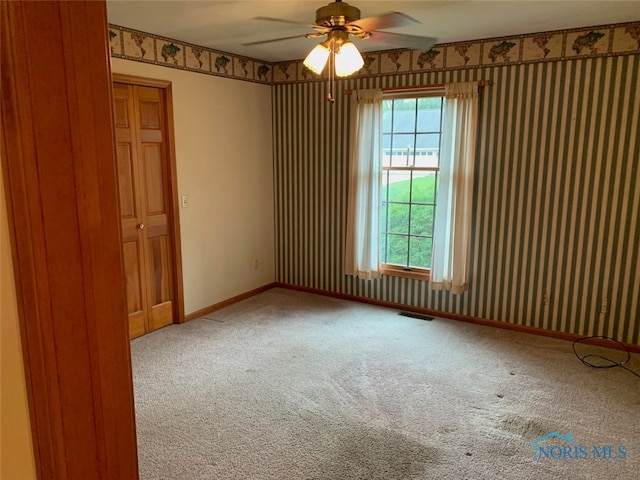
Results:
287 385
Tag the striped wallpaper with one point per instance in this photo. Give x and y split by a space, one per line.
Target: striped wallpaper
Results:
557 195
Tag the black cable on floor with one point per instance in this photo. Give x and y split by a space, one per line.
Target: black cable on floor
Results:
611 363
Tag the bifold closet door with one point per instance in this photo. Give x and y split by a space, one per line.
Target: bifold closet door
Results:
144 206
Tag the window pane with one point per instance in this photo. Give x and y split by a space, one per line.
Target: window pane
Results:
420 252
383 217
386 150
429 114
398 218
397 249
427 150
399 185
402 150
404 115
424 187
427 159
421 220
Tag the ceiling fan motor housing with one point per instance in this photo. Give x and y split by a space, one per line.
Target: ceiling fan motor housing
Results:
336 14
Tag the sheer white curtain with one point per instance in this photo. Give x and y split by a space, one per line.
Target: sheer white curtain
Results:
452 228
362 249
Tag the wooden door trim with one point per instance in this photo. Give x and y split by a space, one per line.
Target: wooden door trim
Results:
172 182
141 81
58 164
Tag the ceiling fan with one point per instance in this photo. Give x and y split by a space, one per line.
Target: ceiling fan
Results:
339 21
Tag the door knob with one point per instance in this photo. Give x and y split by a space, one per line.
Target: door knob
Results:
141 226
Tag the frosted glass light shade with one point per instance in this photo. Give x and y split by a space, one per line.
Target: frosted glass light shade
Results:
348 60
317 58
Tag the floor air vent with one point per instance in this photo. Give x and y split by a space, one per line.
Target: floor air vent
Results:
415 315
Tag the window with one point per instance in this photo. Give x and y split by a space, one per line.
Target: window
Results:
417 223
411 137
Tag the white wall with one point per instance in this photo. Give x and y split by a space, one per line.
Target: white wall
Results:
16 450
224 162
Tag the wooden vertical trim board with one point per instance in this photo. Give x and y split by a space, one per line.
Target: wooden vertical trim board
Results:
165 86
45 424
175 203
58 163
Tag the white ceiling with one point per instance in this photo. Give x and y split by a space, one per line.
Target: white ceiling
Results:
226 25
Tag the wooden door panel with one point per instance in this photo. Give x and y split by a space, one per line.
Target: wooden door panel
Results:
126 181
123 135
135 291
160 291
137 325
161 315
150 136
130 233
160 270
121 112
156 226
132 274
150 112
155 184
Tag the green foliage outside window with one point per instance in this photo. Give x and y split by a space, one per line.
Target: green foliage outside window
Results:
418 243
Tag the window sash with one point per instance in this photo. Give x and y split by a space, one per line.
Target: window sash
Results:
405 270
424 169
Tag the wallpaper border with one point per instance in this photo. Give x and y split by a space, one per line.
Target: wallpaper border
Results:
146 47
583 42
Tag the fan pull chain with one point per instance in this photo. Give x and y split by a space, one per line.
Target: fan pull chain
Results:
332 60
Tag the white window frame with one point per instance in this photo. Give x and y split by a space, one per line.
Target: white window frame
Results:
408 271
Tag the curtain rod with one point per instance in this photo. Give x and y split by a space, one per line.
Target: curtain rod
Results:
434 86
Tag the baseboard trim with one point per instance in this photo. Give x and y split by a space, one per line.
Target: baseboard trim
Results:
228 301
570 337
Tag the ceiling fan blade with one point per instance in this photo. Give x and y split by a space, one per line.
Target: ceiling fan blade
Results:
292 22
383 21
273 40
403 41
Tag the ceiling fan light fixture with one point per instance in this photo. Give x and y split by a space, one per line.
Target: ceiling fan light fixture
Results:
348 60
317 58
